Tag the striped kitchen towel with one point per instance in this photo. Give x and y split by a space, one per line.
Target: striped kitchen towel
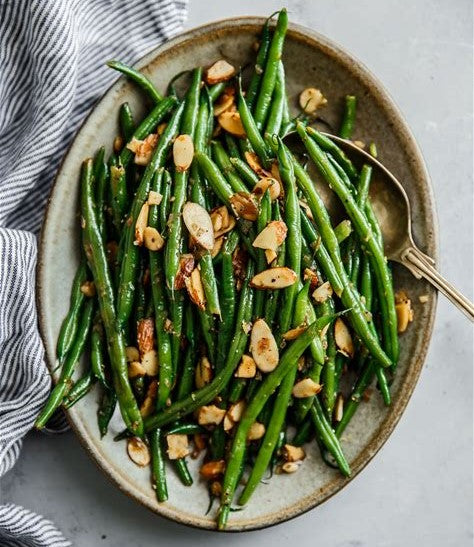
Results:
52 55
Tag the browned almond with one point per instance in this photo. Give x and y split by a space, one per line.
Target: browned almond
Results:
305 388
231 122
272 236
138 452
343 338
256 431
203 373
307 210
312 277
228 227
195 289
275 172
143 150
199 443
263 346
216 489
135 368
290 467
161 128
267 183
274 278
152 239
293 453
186 266
132 354
311 99
228 424
154 198
210 415
220 71
183 152
339 408
145 335
141 224
88 289
148 405
118 144
178 446
236 410
293 334
244 206
218 242
199 224
150 362
404 315
247 368
212 470
254 162
224 103
322 293
270 255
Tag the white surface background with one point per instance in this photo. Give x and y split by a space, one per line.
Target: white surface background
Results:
418 490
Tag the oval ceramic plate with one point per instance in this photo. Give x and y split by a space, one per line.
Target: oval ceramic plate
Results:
310 60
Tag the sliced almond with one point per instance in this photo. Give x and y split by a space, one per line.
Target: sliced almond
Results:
148 405
311 99
256 431
293 334
183 152
161 128
141 224
220 71
270 255
224 230
267 183
274 278
305 388
343 338
178 446
88 289
199 443
290 467
306 209
203 373
293 453
236 410
231 122
275 172
210 471
228 423
143 150
225 102
152 239
195 289
199 224
323 292
218 242
247 368
150 362
186 266
339 408
312 277
263 346
404 315
154 198
132 354
254 162
244 206
135 368
138 452
145 335
272 236
210 415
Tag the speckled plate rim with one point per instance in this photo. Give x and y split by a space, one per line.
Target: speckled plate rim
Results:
382 97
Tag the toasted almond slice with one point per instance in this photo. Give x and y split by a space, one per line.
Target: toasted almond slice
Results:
231 122
256 431
88 289
306 208
323 292
275 172
135 368
228 424
210 415
199 224
195 289
247 368
274 278
236 410
293 453
290 467
203 373
178 446
311 99
210 471
186 266
132 354
148 405
145 335
150 362
141 224
339 408
154 198
244 206
343 338
254 162
152 239
199 443
301 363
183 152
404 315
230 226
224 103
218 242
138 452
312 277
305 388
220 71
263 346
272 236
270 255
294 333
161 128
217 218
267 183
143 150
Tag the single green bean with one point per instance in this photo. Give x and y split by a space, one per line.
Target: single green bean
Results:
127 125
348 120
139 78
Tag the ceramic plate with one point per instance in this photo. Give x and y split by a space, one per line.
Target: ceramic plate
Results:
310 60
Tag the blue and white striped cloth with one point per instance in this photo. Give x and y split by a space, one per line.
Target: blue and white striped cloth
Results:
52 55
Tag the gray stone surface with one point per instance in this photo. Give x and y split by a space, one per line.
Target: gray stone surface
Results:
418 490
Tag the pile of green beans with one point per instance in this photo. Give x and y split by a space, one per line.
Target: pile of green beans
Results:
174 329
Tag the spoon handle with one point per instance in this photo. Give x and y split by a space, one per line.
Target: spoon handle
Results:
416 261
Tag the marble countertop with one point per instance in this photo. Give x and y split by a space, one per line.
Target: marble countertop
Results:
418 490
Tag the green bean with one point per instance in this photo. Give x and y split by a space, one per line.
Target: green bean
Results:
129 265
208 393
79 390
329 146
183 471
274 296
347 126
373 149
67 334
96 256
329 390
63 384
271 69
106 410
158 468
186 380
127 125
216 90
140 79
262 53
303 434
98 352
363 185
165 203
223 162
100 173
245 172
206 323
264 217
185 429
343 230
275 115
232 146
119 195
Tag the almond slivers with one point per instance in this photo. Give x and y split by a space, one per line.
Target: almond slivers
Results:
195 289
199 224
343 338
183 152
220 71
274 278
272 236
263 346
